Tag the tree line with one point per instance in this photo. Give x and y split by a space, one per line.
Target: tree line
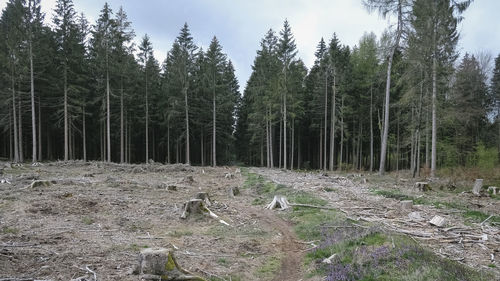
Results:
406 100
85 91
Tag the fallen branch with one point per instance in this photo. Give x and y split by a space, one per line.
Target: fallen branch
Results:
486 220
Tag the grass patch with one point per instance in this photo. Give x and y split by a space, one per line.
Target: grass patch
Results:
87 220
478 216
269 268
9 230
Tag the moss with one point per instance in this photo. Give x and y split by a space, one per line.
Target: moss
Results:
170 265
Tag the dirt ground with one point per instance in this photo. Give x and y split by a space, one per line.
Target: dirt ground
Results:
96 217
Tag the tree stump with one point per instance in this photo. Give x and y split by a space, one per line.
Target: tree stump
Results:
233 191
38 183
423 186
406 204
204 196
477 187
160 264
194 206
279 201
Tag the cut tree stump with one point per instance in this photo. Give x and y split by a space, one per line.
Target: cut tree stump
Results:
194 206
423 186
477 187
172 187
438 221
406 204
233 191
204 196
161 264
279 201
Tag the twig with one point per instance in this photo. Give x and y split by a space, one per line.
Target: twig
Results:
486 219
91 271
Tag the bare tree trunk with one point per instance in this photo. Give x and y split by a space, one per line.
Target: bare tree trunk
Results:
33 113
168 141
434 125
11 138
66 114
326 124
214 143
268 136
292 149
202 142
39 129
383 150
280 140
122 140
187 125
299 150
341 135
14 114
262 151
147 115
284 126
108 115
21 154
427 154
84 137
397 143
321 146
371 128
332 129
271 145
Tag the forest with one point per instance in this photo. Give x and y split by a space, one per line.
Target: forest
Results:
76 90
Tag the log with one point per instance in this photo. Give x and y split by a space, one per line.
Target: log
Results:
477 187
161 264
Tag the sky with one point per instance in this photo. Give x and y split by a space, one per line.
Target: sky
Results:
241 24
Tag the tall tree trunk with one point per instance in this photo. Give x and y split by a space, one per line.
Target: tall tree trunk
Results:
299 150
284 122
214 143
268 136
325 134
66 152
11 138
147 116
434 125
14 114
383 150
341 135
108 113
21 148
321 145
122 140
371 128
202 142
188 161
271 145
168 140
261 151
332 129
33 113
292 149
39 129
84 137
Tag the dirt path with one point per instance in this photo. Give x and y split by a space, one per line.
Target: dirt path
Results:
291 251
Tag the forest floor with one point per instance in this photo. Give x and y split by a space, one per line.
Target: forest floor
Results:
97 217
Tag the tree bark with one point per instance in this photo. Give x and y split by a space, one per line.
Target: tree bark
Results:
326 124
214 143
383 150
65 113
84 137
187 125
332 129
14 114
341 134
147 113
108 112
33 113
122 140
39 129
292 151
434 125
284 120
21 154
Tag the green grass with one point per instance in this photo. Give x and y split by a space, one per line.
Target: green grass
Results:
180 232
9 230
87 220
269 268
478 216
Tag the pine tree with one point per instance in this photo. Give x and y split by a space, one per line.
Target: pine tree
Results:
495 91
146 53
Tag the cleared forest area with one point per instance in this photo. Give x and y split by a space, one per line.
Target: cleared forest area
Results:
69 220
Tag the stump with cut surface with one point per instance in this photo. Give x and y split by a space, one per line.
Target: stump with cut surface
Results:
423 186
406 204
160 264
233 191
279 201
438 221
477 187
197 206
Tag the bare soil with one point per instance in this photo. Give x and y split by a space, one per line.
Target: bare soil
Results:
98 216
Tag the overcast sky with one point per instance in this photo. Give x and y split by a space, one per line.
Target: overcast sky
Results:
240 24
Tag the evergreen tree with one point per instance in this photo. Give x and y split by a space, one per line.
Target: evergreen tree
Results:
495 91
